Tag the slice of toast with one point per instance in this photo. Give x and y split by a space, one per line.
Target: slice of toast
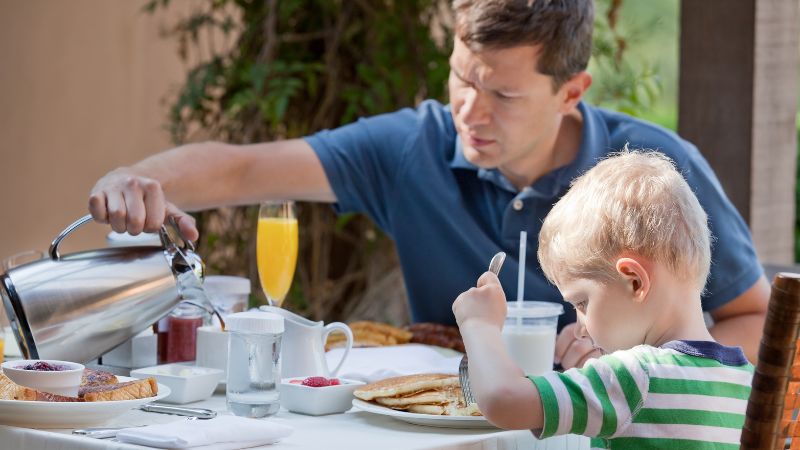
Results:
121 391
93 377
12 391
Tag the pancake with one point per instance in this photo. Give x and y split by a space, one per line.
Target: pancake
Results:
450 409
431 397
429 393
405 385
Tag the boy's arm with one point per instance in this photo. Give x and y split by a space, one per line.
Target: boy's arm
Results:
506 397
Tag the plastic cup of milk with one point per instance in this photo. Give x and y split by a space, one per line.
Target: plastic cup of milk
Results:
530 334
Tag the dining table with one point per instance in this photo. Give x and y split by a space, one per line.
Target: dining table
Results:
353 430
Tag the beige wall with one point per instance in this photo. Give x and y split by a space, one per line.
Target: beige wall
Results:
82 90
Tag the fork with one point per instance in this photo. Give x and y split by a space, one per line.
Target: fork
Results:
463 367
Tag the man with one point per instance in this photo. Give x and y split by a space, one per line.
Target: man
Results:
454 184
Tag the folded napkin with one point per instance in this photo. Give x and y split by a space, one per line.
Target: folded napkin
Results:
219 433
370 364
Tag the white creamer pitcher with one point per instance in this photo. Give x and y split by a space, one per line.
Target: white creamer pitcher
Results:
303 346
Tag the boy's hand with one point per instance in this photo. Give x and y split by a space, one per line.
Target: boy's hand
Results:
485 303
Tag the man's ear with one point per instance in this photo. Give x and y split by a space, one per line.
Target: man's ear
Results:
636 277
573 89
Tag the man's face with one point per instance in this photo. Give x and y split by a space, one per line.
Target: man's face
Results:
504 110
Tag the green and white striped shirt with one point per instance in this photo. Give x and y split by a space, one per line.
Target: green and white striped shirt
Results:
684 394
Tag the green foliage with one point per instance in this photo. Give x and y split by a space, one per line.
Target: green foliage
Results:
626 84
301 65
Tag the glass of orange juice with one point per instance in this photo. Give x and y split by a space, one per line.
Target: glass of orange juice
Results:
276 249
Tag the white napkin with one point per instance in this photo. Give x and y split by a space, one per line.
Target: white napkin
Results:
219 433
370 364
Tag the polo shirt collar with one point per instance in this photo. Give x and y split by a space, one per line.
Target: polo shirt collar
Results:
594 144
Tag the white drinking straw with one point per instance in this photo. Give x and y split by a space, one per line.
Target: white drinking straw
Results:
523 247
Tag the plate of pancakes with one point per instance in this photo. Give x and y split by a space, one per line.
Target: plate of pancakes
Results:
431 399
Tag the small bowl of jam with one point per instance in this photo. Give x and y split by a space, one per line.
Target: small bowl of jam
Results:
317 396
46 375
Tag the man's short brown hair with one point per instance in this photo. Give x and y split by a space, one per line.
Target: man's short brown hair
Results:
563 29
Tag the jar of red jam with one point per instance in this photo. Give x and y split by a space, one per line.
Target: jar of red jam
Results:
182 324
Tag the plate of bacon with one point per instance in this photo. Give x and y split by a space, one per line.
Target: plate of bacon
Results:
102 396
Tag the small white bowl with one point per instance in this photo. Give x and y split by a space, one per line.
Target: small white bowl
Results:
318 401
62 382
187 383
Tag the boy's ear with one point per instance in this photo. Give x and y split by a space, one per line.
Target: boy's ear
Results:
636 277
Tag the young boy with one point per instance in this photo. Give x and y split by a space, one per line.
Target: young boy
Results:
629 247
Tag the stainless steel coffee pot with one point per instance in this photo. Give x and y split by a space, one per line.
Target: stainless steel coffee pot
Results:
78 306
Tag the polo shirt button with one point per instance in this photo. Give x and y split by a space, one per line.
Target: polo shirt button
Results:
517 205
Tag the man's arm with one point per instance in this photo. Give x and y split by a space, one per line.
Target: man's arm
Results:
741 321
206 175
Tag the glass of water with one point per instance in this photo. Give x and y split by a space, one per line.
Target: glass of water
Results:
254 375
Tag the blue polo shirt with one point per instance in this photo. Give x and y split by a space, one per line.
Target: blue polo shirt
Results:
407 172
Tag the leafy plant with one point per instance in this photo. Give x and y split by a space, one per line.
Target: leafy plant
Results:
629 85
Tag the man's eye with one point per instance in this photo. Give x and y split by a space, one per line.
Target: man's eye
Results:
501 96
581 306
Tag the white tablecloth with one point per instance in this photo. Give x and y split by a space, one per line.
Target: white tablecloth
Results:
354 430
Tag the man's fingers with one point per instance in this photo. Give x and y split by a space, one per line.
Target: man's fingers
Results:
97 207
488 278
186 223
117 214
135 211
155 207
595 353
564 341
578 353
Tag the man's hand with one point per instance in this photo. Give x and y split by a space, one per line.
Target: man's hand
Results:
572 351
134 203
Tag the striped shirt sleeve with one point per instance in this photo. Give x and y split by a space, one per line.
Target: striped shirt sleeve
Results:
597 400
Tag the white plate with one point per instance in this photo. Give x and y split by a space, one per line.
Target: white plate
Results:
69 414
425 419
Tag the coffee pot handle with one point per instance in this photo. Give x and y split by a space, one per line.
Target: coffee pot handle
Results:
53 252
55 255
338 326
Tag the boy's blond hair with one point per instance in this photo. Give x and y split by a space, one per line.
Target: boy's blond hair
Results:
633 201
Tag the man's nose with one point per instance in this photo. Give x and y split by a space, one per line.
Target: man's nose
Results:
475 110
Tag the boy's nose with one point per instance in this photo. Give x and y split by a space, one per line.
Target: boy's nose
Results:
580 330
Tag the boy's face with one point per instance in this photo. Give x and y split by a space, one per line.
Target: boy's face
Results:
606 313
503 109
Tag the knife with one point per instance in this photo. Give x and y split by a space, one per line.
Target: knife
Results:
100 433
200 413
